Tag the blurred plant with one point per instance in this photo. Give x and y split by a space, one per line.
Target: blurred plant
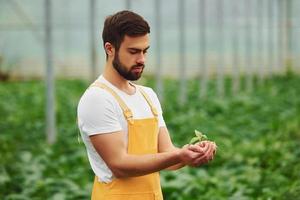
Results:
6 67
3 74
258 133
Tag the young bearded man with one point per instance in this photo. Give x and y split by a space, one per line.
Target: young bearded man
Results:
121 123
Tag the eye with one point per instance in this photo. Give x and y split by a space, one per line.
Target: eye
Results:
132 51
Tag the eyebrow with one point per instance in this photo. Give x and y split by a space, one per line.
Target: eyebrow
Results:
137 49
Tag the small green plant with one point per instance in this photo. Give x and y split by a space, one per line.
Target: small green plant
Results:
198 138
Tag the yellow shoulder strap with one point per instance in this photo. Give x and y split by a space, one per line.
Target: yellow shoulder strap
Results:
126 111
153 109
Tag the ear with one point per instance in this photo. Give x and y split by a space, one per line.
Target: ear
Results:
109 49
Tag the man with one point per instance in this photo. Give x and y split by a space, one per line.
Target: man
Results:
121 123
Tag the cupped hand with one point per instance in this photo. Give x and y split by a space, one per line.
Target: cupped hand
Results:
206 150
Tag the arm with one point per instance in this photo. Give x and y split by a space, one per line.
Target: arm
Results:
165 145
111 148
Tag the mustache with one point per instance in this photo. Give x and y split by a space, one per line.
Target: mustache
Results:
137 66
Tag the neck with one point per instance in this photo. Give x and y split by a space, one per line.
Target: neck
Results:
111 75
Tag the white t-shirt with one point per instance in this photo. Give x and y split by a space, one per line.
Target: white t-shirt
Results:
99 112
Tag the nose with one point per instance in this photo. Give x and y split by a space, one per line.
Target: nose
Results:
141 58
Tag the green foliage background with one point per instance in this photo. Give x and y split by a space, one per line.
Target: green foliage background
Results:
258 135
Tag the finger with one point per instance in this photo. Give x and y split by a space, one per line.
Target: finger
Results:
215 148
215 151
200 161
196 148
201 144
209 148
204 145
209 152
215 145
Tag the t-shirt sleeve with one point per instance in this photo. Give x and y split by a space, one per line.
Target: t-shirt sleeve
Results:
97 112
154 98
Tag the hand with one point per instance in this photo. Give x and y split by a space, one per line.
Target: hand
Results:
213 150
207 150
189 154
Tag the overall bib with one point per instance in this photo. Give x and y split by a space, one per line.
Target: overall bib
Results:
142 139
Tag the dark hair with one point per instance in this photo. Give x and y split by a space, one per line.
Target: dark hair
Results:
123 23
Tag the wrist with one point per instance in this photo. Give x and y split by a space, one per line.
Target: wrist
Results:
178 155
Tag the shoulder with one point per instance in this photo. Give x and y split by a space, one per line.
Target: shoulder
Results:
98 112
95 97
96 94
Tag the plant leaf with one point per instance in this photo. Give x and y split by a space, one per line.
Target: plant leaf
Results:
198 133
194 140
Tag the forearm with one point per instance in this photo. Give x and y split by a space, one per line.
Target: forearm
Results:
176 166
137 165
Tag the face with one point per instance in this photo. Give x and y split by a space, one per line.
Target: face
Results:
129 60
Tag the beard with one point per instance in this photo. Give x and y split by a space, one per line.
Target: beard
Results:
127 74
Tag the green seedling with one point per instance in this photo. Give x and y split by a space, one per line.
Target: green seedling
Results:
198 138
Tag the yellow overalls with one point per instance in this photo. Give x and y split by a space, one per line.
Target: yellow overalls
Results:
142 139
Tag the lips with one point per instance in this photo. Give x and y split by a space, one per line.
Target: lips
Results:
137 69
